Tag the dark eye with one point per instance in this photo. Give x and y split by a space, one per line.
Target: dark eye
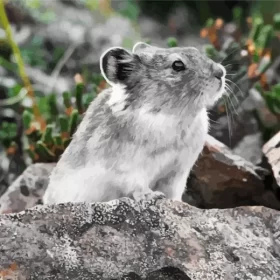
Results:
178 66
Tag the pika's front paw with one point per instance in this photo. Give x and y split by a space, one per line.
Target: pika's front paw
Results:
148 196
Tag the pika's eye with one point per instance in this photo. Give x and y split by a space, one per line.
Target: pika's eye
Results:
178 66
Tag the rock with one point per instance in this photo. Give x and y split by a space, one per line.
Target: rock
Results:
221 179
272 152
124 240
60 84
27 190
250 148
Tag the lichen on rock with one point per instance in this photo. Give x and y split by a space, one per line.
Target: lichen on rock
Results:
118 238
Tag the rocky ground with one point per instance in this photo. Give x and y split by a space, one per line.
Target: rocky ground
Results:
227 227
122 240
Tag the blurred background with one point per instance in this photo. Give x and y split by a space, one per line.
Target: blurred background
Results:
49 67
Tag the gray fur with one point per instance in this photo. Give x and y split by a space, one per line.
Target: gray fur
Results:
141 137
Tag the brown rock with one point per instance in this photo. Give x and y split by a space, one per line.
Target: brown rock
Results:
221 179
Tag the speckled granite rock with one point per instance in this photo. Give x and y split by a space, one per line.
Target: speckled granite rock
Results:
221 179
111 240
27 189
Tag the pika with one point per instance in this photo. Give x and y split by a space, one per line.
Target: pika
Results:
140 137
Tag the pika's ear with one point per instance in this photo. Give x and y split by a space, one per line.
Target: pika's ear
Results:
116 65
140 46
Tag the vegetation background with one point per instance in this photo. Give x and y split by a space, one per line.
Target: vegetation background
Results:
49 71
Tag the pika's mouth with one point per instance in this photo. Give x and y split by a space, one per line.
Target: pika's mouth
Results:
221 84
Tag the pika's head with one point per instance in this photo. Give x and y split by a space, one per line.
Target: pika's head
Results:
164 78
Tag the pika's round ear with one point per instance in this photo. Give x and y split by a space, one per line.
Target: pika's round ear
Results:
116 65
140 46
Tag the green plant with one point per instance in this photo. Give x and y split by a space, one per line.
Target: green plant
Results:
172 42
48 143
247 53
18 58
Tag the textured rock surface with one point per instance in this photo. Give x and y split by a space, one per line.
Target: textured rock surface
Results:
27 190
272 152
221 179
110 240
250 148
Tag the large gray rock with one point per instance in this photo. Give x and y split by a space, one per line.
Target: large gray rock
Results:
124 240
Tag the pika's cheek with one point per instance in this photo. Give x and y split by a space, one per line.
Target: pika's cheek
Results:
210 87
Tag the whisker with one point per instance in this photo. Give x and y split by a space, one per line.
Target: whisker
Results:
231 91
232 64
229 124
232 104
236 86
237 48
214 121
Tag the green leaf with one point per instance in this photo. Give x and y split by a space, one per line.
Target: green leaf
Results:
273 101
276 90
172 42
43 105
257 26
79 96
210 51
53 105
256 57
131 10
209 22
87 99
31 154
237 15
63 122
27 118
43 151
58 140
67 99
276 21
264 65
73 123
265 36
47 137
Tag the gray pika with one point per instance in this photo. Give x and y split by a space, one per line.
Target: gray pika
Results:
140 137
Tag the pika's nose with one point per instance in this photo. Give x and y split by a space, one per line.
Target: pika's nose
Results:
218 72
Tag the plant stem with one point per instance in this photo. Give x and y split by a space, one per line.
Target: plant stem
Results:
6 25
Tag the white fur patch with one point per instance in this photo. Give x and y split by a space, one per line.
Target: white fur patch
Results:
157 122
118 97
